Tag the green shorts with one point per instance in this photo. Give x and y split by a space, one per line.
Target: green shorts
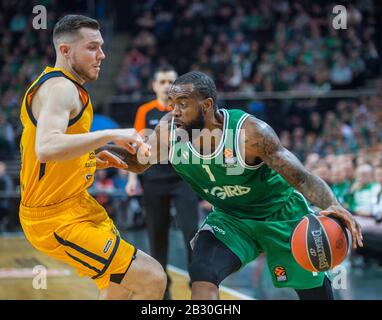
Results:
248 238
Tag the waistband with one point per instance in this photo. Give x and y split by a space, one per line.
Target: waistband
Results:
51 210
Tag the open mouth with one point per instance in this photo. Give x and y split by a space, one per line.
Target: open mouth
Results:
179 125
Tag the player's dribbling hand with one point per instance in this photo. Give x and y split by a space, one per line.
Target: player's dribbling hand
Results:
131 141
353 226
105 160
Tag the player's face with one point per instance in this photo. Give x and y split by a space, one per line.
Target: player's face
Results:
162 83
87 54
187 108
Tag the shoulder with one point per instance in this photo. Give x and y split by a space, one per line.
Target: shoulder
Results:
255 126
259 137
59 90
59 85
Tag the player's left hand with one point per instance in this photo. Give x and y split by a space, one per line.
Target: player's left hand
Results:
348 220
106 159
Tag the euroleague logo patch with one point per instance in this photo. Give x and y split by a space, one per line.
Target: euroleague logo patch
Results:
280 274
228 157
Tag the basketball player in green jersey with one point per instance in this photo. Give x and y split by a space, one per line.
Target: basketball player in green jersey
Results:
256 186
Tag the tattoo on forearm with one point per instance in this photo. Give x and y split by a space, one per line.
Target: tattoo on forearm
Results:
318 192
264 142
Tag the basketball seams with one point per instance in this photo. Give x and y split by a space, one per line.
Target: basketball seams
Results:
327 239
345 235
307 244
346 239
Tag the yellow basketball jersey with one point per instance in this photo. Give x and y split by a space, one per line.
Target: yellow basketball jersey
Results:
44 184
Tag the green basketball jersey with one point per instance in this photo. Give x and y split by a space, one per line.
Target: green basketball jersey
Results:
223 179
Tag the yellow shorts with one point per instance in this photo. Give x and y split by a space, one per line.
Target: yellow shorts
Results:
78 231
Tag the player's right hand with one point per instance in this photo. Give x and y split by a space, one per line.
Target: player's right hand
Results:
131 141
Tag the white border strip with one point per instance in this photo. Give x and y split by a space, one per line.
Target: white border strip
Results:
232 292
172 141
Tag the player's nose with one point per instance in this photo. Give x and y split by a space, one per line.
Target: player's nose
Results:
101 55
176 112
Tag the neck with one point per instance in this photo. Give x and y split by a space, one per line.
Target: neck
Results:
214 121
207 142
163 101
64 65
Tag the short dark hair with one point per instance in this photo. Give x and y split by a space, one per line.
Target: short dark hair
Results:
165 68
70 24
202 83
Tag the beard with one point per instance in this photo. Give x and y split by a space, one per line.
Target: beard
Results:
196 124
82 72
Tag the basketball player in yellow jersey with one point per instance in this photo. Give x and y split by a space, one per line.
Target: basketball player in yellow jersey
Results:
57 214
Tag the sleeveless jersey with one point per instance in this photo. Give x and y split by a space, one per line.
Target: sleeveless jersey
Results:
223 179
44 184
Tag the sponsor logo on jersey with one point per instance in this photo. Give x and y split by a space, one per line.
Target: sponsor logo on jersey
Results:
280 274
107 245
92 155
224 192
217 229
90 164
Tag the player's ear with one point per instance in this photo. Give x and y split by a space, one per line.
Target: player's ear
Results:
64 49
208 104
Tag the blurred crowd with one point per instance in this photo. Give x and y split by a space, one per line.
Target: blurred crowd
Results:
253 45
350 126
23 54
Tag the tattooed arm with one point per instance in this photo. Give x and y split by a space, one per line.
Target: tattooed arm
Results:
140 160
260 141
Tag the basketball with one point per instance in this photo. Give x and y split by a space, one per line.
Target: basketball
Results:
319 243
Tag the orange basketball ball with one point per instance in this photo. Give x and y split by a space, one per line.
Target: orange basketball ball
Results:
319 243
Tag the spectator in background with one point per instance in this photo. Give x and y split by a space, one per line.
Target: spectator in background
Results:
6 192
340 185
364 191
102 190
377 209
103 183
7 138
322 170
120 198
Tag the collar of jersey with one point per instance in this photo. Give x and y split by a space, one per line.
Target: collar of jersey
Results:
67 73
221 143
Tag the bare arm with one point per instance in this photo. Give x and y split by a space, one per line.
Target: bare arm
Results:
262 142
58 98
158 140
